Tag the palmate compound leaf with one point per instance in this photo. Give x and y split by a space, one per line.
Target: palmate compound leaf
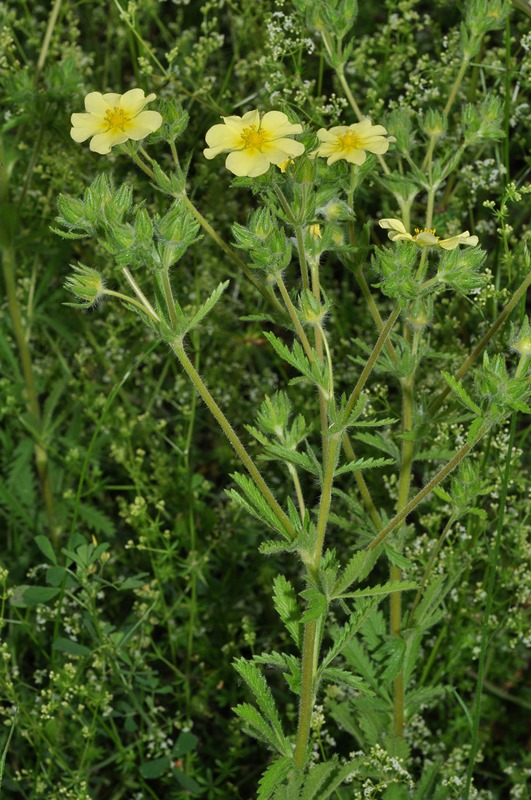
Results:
285 602
254 503
264 699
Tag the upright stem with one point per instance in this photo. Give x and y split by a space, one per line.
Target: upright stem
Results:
32 398
430 486
478 349
230 433
457 83
311 638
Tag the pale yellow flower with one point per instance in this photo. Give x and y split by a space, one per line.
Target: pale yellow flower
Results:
254 142
426 237
114 118
350 142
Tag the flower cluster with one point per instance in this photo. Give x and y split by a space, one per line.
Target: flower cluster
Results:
253 142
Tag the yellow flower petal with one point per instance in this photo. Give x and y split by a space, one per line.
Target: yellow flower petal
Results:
394 224
281 149
84 126
247 163
220 138
102 142
455 241
143 124
280 124
425 238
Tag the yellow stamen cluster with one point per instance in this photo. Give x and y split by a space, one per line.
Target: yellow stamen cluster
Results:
252 138
117 118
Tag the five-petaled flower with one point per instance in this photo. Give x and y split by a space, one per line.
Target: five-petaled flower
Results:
253 142
351 141
426 237
114 118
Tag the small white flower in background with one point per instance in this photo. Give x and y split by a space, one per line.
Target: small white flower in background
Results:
426 237
114 118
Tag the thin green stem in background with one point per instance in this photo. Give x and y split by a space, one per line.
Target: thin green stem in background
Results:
32 397
490 582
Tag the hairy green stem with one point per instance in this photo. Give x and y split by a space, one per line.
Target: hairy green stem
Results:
52 21
457 83
178 348
478 349
430 486
311 638
144 302
133 302
292 311
367 369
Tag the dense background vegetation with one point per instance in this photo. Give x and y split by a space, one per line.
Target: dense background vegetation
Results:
117 675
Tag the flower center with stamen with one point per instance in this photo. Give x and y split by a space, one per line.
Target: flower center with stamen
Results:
349 141
253 138
425 230
117 118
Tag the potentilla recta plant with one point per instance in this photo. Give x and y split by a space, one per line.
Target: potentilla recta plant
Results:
355 618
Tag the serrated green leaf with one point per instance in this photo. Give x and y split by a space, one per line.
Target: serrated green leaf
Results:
317 605
256 724
345 678
274 546
357 568
207 307
380 589
461 392
254 503
296 357
285 602
262 694
315 779
344 635
380 442
363 463
273 776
